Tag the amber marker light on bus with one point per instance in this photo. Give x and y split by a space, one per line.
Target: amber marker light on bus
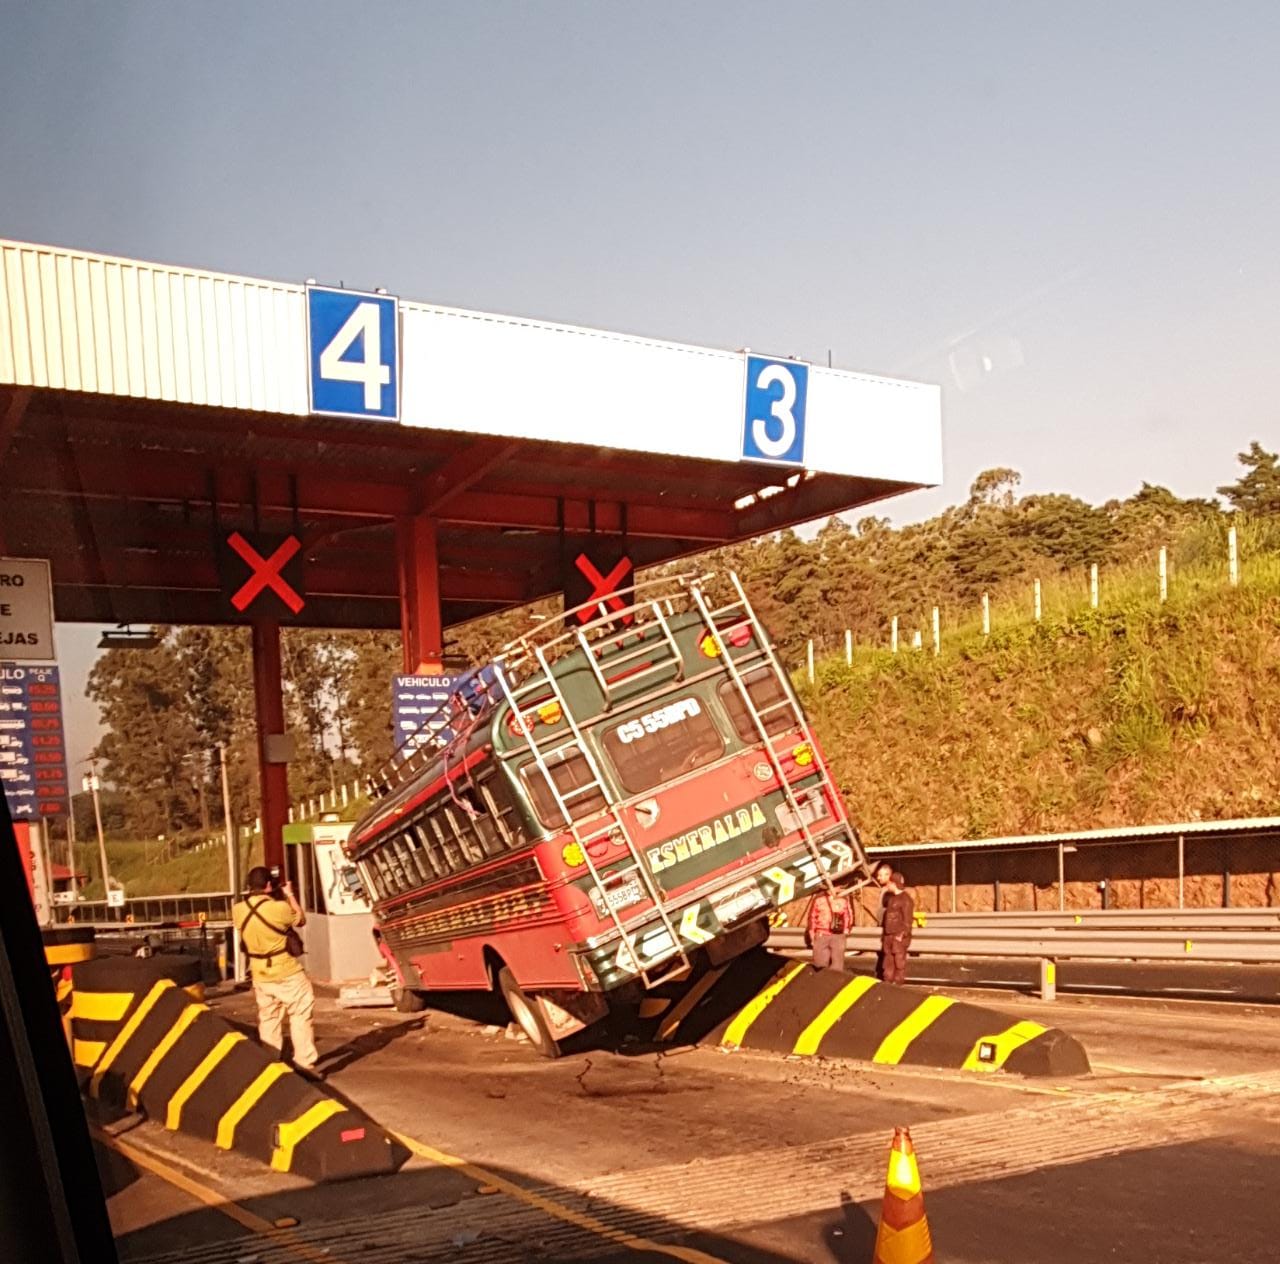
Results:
709 647
802 754
572 855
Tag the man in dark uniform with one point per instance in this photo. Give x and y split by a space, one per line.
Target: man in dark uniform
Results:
895 929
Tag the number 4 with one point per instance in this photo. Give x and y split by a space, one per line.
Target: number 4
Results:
370 370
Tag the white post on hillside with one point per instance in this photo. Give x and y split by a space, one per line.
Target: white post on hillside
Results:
893 634
1037 591
344 794
986 614
848 647
1233 558
937 632
810 660
1093 585
1164 574
917 642
257 827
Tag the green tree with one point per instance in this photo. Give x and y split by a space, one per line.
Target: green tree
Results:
1257 491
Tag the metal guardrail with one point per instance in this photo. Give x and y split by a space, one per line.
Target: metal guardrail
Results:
1167 935
214 906
1115 919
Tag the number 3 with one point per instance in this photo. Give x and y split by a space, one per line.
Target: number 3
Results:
370 370
774 375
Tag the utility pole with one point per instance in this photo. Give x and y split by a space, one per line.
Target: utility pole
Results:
233 861
233 858
93 783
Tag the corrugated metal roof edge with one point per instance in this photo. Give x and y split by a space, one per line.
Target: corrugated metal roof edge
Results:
1243 825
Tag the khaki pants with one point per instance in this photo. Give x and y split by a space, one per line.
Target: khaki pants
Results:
292 996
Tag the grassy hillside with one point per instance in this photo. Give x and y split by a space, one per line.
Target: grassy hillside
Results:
1133 713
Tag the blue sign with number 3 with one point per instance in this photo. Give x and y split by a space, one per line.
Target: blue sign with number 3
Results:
353 349
773 427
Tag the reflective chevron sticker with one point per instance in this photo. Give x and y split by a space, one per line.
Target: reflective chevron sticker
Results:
690 929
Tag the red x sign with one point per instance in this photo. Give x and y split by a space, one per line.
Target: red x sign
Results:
604 591
266 574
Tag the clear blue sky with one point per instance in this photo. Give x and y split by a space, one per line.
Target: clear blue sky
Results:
1085 195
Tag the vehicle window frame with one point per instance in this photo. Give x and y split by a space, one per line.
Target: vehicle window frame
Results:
612 745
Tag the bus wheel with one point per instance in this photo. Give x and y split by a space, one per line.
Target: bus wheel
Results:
407 1001
527 1015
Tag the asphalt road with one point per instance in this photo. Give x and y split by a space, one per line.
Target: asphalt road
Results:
1167 1152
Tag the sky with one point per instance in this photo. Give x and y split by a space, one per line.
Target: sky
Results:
1066 215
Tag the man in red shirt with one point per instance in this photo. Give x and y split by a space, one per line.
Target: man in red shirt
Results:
830 917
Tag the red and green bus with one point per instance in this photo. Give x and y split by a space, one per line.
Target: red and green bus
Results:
608 801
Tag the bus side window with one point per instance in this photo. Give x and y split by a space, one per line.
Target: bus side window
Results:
383 871
449 848
456 821
494 832
395 867
765 690
413 858
571 772
372 879
506 820
430 850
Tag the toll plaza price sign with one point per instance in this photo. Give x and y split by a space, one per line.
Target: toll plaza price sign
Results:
432 710
422 712
33 752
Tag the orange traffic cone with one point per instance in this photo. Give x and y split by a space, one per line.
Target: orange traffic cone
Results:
903 1236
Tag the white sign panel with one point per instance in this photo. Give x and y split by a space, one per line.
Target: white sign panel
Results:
26 610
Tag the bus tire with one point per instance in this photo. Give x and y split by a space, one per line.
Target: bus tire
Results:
407 1001
527 1015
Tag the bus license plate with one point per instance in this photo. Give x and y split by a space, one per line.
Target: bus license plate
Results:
625 896
742 899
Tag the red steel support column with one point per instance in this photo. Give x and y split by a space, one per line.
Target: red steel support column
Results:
420 625
269 705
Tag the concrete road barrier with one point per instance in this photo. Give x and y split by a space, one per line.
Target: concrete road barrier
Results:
64 947
765 1001
144 1043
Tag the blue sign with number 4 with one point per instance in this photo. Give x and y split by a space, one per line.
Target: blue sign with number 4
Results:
353 350
773 428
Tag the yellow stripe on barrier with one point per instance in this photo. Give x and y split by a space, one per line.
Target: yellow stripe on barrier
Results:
173 1116
63 990
100 1007
895 1044
290 1134
87 1052
1002 1046
811 1037
68 954
247 1100
126 1033
185 1019
195 991
685 1005
757 1005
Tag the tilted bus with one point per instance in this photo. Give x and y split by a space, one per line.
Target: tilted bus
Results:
605 803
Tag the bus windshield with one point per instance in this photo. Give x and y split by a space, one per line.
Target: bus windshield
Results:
663 744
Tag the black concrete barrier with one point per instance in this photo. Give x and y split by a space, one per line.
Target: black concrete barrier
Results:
64 947
144 1043
764 1001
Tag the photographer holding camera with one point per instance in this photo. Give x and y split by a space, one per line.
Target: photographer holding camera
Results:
265 920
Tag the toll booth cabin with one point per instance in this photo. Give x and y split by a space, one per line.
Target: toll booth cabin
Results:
339 930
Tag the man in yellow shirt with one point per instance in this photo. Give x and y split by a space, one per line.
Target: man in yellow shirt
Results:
263 921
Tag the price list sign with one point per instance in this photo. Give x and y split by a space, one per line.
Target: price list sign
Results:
33 752
422 716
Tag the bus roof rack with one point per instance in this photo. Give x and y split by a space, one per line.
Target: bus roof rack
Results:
556 638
